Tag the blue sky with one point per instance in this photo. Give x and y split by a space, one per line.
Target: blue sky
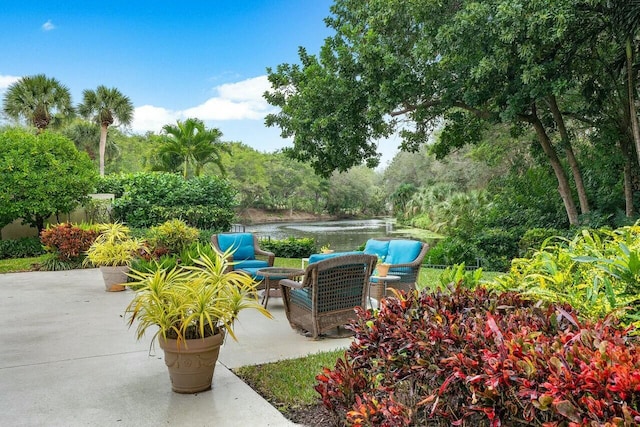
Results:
174 59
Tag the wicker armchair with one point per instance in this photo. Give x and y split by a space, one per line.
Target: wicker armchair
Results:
328 293
247 255
405 257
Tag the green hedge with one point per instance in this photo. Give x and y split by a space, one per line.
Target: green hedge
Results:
151 198
21 248
291 247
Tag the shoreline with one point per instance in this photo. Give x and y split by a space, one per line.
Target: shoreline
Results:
252 216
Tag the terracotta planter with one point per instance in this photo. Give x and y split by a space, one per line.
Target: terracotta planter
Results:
383 269
114 277
191 366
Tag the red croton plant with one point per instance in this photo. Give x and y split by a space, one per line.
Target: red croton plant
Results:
67 241
475 358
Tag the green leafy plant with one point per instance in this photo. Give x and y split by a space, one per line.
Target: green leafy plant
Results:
291 247
114 246
193 301
458 276
597 272
21 248
174 235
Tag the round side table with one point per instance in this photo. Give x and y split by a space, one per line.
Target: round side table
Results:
378 288
272 275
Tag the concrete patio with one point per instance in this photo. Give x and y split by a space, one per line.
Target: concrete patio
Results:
67 358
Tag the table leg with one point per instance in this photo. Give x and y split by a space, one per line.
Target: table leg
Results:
267 291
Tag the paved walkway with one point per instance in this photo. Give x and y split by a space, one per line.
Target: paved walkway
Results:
67 358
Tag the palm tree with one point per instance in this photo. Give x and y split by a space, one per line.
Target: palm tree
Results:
40 100
106 106
192 146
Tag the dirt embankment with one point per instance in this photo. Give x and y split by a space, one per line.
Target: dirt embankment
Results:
260 216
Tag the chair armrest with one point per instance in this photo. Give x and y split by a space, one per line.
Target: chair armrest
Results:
291 284
271 256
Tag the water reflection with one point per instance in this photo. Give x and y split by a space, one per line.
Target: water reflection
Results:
342 235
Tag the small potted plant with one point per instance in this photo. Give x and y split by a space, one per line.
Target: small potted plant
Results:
326 249
112 251
382 268
192 307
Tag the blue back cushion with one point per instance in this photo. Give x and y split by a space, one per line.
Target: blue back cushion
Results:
403 251
242 243
378 248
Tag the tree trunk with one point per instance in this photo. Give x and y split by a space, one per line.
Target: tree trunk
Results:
632 105
563 182
571 158
627 177
103 147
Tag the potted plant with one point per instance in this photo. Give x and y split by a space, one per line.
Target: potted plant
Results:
326 249
112 251
382 268
193 307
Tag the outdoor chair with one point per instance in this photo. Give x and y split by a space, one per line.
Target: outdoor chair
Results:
328 294
405 258
246 254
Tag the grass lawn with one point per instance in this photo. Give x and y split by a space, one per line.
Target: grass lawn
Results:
289 383
15 265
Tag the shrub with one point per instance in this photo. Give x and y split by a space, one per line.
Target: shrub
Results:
174 235
450 251
21 248
41 175
496 247
597 272
534 238
150 199
479 358
67 241
291 247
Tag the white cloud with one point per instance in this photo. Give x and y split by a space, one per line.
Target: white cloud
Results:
150 118
233 101
48 26
6 81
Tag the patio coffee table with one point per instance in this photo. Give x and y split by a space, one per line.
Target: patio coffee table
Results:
272 275
378 289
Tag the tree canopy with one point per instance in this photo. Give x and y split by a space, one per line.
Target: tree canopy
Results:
106 106
41 175
414 66
40 100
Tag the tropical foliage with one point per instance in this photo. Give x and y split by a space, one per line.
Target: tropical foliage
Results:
39 100
483 359
597 272
188 146
105 106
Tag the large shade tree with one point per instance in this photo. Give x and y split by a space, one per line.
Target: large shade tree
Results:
106 106
39 100
189 146
412 66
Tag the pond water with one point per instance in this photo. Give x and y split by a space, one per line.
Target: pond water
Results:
342 235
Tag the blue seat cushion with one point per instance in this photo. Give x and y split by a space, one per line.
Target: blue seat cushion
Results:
403 251
250 263
240 243
379 248
253 272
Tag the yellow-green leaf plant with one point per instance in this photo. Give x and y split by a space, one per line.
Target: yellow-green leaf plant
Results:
193 301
